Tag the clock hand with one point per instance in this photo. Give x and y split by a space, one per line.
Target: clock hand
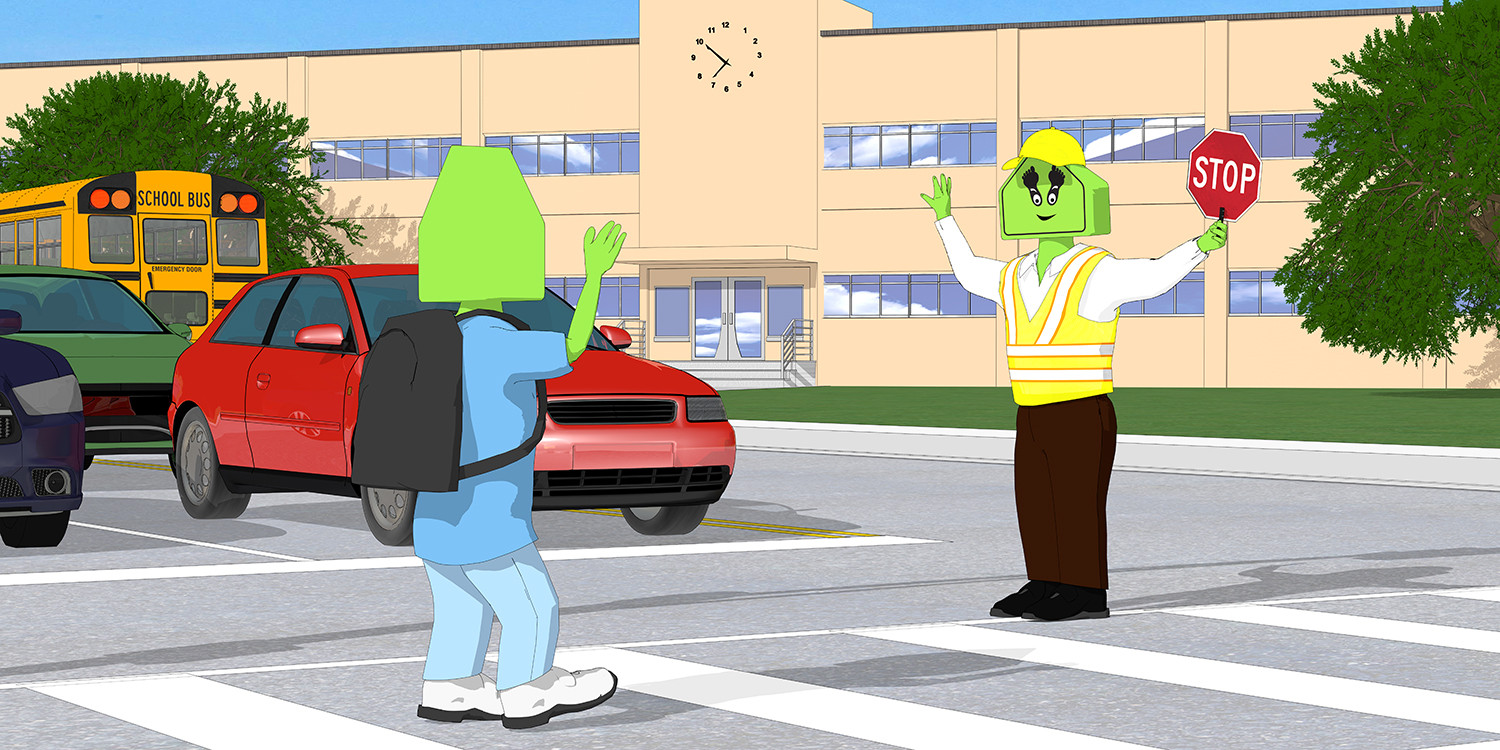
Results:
721 57
721 67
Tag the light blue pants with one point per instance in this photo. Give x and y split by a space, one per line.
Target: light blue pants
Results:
512 588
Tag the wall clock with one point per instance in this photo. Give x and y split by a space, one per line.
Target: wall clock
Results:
724 57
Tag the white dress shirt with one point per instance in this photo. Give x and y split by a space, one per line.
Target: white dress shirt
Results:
1113 282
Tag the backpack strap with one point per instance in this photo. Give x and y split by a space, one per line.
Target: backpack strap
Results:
486 465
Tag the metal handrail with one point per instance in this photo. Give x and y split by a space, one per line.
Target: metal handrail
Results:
796 339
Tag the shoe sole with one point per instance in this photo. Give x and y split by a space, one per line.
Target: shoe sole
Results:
1080 616
454 717
528 722
998 612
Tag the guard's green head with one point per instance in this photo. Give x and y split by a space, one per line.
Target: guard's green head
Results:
481 237
1050 193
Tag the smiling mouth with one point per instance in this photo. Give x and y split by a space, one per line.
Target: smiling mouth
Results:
1044 218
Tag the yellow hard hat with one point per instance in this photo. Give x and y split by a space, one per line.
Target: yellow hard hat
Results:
1052 146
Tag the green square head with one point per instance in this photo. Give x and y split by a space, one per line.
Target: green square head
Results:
481 237
1050 193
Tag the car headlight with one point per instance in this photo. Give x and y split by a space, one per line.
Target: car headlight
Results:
705 409
55 396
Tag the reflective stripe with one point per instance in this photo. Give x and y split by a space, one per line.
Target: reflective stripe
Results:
1060 350
1007 294
1054 375
1064 291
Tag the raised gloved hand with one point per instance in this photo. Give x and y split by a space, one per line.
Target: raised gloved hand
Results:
942 200
600 252
1215 238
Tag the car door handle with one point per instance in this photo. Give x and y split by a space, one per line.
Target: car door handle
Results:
263 380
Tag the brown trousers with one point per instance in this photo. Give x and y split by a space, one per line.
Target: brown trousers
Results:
1064 453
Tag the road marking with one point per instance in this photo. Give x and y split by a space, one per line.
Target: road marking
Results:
747 525
1483 595
1364 627
194 542
222 717
867 717
1413 704
134 464
405 561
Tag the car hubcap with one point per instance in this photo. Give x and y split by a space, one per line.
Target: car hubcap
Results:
195 464
389 506
645 514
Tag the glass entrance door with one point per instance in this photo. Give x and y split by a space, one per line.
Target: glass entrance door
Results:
729 318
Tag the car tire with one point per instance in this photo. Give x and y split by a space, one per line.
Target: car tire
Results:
665 520
388 513
34 531
199 483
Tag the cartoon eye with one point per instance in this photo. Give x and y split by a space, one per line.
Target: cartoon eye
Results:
1052 197
1036 198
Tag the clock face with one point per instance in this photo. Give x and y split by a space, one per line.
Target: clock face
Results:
724 57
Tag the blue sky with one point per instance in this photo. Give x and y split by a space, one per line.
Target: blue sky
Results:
90 29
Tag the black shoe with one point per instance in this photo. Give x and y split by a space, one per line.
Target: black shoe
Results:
1069 602
1016 604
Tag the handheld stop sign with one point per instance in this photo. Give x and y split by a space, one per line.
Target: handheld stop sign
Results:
1224 175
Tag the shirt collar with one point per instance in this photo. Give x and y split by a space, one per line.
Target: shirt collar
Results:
1028 261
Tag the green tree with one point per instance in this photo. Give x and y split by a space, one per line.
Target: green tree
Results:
1405 251
121 122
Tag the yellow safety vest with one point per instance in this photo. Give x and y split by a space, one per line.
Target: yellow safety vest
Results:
1057 355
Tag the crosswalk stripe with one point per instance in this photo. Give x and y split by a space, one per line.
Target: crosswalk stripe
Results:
1414 704
222 717
1365 627
1483 595
867 717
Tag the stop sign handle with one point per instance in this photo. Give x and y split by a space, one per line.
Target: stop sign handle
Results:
1221 213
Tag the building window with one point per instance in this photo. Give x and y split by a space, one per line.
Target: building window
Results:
672 317
574 153
783 305
900 295
1128 139
1186 298
619 296
1256 293
381 158
908 145
1278 136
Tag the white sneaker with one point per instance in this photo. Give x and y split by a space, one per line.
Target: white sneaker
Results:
471 697
555 693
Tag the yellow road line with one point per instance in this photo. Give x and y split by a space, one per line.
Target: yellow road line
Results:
751 526
133 464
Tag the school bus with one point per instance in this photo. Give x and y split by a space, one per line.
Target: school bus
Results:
183 242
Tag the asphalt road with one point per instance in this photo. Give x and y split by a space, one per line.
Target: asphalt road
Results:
834 602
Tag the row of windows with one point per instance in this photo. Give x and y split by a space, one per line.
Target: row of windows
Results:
900 295
582 153
31 242
1173 138
908 145
619 296
380 158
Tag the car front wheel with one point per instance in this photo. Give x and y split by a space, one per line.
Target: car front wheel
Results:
665 520
199 483
388 514
34 531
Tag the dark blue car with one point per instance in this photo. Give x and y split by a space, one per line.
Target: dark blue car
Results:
41 441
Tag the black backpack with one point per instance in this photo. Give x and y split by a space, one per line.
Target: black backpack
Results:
410 419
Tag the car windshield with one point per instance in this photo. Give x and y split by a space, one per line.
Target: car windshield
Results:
383 297
72 304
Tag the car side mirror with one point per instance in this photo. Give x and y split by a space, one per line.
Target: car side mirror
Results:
617 336
182 329
324 337
10 322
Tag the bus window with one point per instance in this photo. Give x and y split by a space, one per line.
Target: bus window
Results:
239 242
8 244
174 241
111 239
25 242
49 241
179 307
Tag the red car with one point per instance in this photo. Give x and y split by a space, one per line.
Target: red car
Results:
265 401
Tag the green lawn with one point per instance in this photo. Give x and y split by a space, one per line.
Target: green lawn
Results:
1451 417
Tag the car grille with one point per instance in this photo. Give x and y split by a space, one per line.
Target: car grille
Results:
629 481
613 411
10 487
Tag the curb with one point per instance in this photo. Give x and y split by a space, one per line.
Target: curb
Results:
1356 463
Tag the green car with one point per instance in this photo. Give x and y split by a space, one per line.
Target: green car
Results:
121 352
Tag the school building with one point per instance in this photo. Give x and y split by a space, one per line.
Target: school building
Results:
766 159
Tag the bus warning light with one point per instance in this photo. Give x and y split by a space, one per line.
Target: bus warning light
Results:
227 203
120 199
248 203
99 198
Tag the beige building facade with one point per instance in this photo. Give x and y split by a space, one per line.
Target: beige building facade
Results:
753 201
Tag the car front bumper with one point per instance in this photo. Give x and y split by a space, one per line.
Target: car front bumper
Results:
49 443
